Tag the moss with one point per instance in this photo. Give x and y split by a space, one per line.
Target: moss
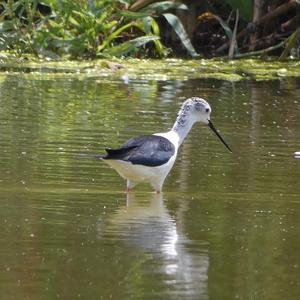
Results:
232 70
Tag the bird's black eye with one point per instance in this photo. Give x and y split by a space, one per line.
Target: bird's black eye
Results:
207 110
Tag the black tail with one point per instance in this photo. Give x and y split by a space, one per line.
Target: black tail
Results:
119 153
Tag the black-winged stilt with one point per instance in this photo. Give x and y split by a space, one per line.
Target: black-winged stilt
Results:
150 158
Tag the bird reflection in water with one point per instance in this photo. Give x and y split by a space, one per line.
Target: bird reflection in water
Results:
147 225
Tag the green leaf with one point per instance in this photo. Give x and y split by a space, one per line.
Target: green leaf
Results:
290 42
179 29
162 51
155 27
74 22
150 27
159 7
147 22
225 26
129 46
132 14
116 34
7 26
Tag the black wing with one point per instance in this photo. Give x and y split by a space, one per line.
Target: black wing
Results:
147 150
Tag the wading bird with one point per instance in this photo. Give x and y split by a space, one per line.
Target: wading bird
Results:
150 158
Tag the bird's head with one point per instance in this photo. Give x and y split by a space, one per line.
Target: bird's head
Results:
199 110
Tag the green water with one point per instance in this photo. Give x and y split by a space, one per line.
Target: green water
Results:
226 226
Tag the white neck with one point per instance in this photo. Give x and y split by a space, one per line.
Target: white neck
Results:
182 126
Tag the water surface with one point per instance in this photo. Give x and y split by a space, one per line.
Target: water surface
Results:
226 226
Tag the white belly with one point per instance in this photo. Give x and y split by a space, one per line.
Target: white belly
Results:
138 173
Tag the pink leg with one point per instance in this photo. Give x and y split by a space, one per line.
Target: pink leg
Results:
128 190
157 185
130 185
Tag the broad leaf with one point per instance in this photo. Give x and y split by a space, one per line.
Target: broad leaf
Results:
159 7
179 29
132 14
129 46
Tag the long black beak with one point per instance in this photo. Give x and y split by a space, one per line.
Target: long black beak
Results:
213 128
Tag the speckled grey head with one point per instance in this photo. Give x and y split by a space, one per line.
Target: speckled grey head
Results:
196 109
199 104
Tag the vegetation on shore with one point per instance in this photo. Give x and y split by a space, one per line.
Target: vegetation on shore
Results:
150 69
149 28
